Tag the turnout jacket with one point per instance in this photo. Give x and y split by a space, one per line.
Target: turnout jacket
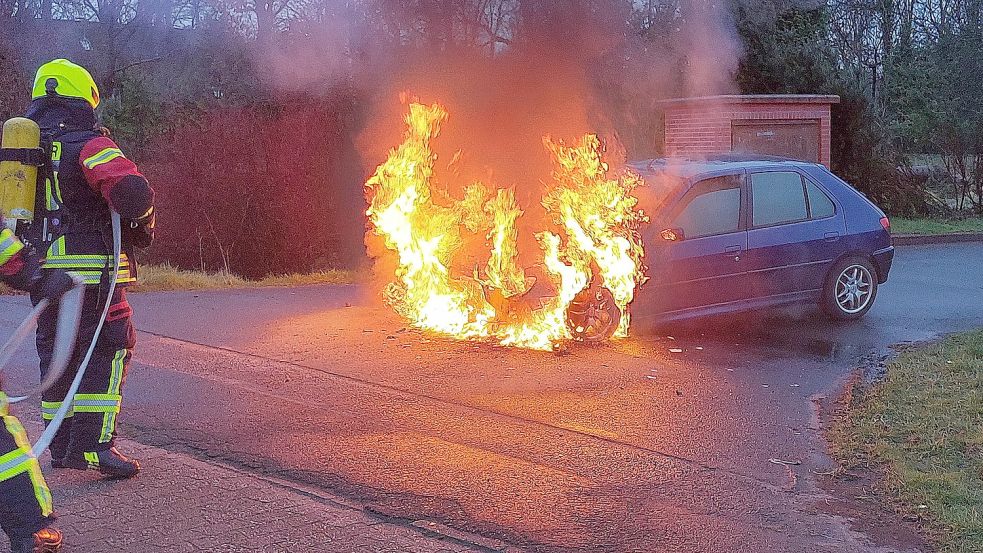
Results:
90 176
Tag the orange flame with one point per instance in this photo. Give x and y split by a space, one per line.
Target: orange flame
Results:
592 242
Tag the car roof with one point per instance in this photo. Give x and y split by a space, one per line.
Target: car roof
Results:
689 167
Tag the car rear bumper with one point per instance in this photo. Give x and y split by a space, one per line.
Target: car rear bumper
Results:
882 261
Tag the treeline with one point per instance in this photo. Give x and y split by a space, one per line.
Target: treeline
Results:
919 63
256 119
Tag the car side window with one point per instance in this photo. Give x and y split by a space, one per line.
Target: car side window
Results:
776 198
820 206
712 206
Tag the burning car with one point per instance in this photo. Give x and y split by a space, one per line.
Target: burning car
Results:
717 235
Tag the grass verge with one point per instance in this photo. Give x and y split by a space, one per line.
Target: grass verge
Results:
165 278
900 225
922 431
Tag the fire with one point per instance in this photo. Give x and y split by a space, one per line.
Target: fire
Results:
453 263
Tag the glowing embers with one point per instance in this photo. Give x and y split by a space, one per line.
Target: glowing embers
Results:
453 263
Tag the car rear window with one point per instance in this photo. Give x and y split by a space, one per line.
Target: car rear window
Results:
777 197
820 206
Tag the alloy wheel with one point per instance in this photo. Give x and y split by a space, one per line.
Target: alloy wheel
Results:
853 289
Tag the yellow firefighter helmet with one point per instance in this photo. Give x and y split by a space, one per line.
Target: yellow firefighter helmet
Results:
64 78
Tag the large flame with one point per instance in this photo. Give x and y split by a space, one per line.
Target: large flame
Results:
453 263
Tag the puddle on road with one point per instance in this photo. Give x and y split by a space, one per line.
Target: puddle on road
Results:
767 336
835 351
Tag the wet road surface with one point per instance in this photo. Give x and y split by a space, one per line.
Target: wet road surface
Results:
625 447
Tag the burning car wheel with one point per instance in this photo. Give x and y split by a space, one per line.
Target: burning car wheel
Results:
593 316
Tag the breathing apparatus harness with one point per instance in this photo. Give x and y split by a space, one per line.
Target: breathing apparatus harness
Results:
18 195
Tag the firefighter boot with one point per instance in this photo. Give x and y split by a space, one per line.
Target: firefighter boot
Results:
109 462
45 540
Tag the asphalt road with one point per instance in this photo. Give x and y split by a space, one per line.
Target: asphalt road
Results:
626 447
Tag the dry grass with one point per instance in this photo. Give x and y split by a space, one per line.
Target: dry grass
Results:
922 428
165 278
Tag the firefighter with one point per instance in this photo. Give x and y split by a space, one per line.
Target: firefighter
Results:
25 502
89 177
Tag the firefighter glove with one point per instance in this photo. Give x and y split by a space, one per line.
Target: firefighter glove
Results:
53 284
50 284
140 232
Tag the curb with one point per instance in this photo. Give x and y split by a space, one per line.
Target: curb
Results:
921 239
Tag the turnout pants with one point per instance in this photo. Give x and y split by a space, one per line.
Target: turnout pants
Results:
90 425
25 502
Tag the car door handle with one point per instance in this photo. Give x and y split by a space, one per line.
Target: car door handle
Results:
831 236
734 251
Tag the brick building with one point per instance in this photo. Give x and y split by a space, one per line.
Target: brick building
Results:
791 125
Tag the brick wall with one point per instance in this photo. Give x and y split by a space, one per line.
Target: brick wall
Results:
702 126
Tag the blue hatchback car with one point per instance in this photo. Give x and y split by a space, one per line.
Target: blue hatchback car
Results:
735 233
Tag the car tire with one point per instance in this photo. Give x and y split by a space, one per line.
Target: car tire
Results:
592 316
850 289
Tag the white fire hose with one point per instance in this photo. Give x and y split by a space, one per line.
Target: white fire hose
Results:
65 335
69 313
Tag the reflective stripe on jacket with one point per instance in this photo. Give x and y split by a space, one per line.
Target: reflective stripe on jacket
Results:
90 267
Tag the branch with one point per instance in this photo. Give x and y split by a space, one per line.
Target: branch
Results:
136 63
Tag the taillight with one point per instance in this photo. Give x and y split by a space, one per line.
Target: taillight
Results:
886 223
